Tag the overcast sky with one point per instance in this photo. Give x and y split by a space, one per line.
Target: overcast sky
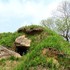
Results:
17 13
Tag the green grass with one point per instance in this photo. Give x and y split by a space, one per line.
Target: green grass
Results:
7 39
47 39
40 41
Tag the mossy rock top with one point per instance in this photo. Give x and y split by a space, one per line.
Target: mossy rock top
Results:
33 29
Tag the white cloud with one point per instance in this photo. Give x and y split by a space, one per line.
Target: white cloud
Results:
27 12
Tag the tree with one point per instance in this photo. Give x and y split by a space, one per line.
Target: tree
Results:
62 20
48 23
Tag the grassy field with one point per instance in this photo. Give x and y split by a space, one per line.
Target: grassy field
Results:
34 59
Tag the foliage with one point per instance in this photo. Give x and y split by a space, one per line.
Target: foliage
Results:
48 23
61 21
12 58
7 39
34 57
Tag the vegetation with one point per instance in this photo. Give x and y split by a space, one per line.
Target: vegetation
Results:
48 50
61 20
34 58
7 39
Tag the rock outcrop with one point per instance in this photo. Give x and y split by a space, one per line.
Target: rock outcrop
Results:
31 30
22 41
5 53
22 44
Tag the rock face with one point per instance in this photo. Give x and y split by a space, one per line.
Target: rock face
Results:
22 44
31 30
34 31
22 41
5 53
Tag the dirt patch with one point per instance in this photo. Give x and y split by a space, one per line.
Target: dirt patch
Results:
52 52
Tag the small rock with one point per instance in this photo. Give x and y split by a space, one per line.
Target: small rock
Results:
44 51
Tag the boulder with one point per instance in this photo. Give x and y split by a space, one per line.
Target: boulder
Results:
22 41
22 44
31 30
34 31
5 53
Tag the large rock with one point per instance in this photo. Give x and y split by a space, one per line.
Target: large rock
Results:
22 41
22 44
5 53
31 30
34 31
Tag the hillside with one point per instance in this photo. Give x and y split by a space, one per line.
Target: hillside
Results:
48 50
